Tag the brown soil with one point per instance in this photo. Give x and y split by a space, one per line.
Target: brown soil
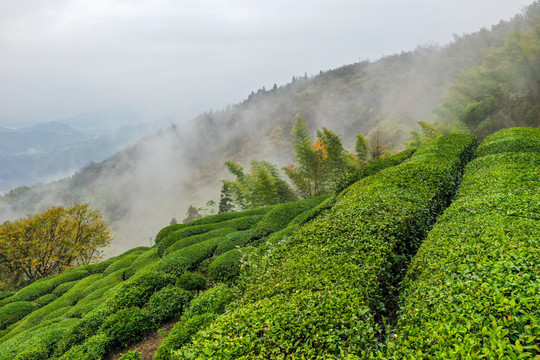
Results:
147 346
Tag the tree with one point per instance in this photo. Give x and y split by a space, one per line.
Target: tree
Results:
51 242
317 162
192 214
361 148
225 202
262 186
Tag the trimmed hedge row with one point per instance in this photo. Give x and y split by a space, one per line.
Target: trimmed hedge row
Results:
241 223
188 258
190 240
322 293
225 267
203 310
473 289
371 169
45 286
15 311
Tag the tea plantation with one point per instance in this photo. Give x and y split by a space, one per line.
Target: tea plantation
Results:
433 254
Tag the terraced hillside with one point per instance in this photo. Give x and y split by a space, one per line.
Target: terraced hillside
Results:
322 278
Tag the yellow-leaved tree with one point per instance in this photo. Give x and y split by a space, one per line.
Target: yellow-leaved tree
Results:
51 242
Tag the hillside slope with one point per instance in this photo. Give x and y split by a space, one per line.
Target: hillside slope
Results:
322 278
142 188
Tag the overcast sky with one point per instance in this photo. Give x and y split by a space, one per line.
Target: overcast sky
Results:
64 57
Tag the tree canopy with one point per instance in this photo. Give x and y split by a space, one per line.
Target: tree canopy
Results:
51 242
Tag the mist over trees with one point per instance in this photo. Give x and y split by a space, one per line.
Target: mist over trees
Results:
141 188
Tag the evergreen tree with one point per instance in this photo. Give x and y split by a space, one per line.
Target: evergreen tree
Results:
192 214
361 148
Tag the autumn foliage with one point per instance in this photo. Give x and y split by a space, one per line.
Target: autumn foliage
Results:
55 240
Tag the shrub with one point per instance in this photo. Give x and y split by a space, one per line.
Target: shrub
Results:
191 281
6 294
220 218
131 355
137 291
212 301
168 303
81 330
37 352
225 267
241 223
163 233
63 288
232 240
472 290
45 286
122 263
187 258
45 299
194 239
181 334
144 260
13 312
94 349
348 179
127 326
321 293
280 216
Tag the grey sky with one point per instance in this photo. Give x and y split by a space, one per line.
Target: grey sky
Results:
60 58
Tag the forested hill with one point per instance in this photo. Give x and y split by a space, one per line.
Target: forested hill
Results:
141 188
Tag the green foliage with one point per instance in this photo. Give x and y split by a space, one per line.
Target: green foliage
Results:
188 258
225 267
168 303
122 263
320 294
137 291
263 186
226 204
131 355
13 312
218 218
163 233
6 294
192 214
194 239
45 286
181 334
232 240
235 223
374 167
472 289
317 163
93 349
146 259
45 299
38 352
63 288
191 281
127 326
213 301
361 149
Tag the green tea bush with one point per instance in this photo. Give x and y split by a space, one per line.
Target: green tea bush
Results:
163 233
144 260
519 139
191 281
122 263
83 329
310 214
45 299
13 312
194 239
6 294
187 258
225 267
37 352
127 326
280 216
45 286
323 292
137 291
232 240
181 334
241 223
131 355
94 348
213 300
63 288
56 314
40 337
347 179
472 289
168 303
219 218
